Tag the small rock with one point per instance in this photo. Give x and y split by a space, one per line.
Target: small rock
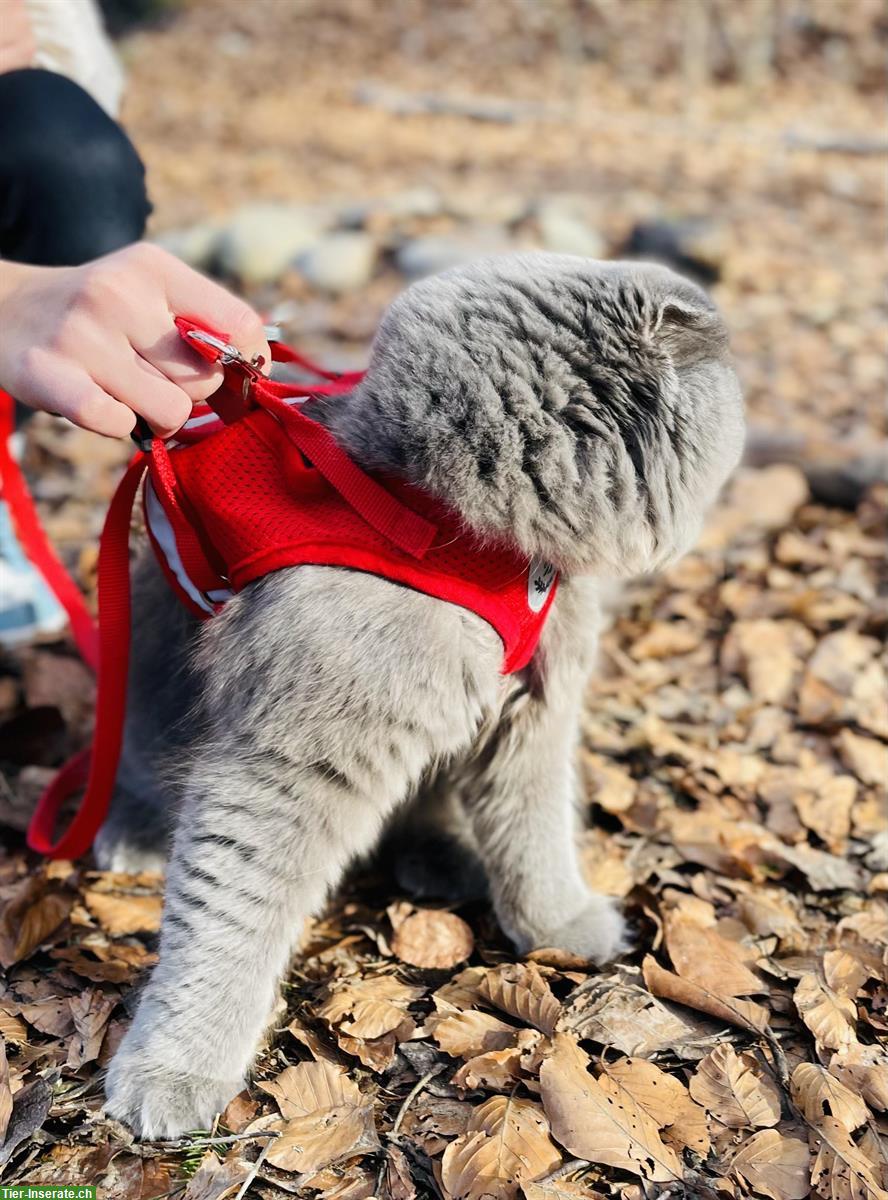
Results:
339 262
695 247
565 230
401 206
429 255
261 240
195 245
504 208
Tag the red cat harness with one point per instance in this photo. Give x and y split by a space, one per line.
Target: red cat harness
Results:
250 485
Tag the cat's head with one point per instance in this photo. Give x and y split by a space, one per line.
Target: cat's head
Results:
587 410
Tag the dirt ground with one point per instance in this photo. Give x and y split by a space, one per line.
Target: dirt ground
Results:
733 759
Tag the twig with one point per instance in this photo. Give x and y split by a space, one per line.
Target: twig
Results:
253 1172
568 1168
188 1143
781 1066
411 1096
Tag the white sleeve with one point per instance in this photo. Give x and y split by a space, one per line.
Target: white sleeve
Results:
71 39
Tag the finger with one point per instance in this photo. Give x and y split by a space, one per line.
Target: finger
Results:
178 363
142 387
192 295
71 393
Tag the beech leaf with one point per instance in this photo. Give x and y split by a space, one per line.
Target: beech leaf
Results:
734 1090
599 1120
507 1143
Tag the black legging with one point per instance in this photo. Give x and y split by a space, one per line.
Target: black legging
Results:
72 186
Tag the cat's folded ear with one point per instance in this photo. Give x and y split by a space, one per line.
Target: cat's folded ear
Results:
688 326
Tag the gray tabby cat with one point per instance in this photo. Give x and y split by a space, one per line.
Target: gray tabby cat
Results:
589 412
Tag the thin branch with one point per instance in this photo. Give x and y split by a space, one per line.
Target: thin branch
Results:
253 1172
411 1096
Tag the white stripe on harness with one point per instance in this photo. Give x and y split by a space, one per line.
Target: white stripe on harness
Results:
162 532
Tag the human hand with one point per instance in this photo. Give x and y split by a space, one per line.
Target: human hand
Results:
17 45
98 343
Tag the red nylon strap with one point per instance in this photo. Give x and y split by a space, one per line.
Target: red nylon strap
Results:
401 525
35 543
98 767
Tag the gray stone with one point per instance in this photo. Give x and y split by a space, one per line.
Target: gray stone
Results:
408 205
338 262
499 208
262 240
429 255
195 245
564 228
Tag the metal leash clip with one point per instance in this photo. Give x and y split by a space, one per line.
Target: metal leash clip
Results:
226 355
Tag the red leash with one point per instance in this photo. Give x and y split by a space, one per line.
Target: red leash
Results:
97 767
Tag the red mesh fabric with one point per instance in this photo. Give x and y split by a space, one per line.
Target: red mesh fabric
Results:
257 506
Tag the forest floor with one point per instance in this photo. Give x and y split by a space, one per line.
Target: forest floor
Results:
733 757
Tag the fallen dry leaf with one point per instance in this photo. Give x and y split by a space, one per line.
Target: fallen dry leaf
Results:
122 915
12 1029
30 1107
598 1120
495 1071
714 963
215 1179
665 1099
840 1170
326 1118
465 1034
369 1016
433 1122
863 1069
774 1165
829 1016
369 1007
432 939
35 911
90 1012
520 990
5 1093
734 1089
768 655
818 1094
399 1183
631 1020
506 1143
844 972
744 1013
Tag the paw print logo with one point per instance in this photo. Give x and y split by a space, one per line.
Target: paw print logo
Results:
540 577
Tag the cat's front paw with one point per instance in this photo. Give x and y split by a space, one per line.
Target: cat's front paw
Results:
598 932
161 1101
